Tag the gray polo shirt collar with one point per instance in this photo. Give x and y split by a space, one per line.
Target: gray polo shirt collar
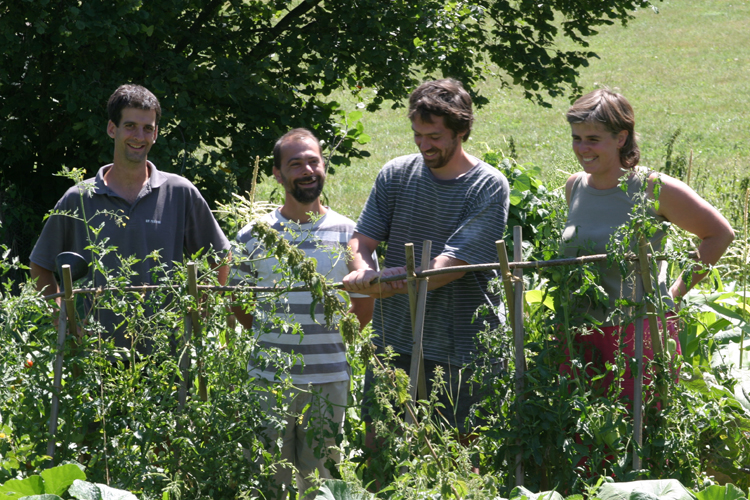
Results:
155 179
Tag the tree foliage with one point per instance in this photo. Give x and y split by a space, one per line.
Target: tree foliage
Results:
232 75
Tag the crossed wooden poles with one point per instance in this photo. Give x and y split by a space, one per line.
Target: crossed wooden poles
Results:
417 286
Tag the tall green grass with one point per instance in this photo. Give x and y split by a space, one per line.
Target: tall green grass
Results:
686 68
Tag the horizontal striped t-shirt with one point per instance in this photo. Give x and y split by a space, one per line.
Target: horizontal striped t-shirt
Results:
322 349
463 218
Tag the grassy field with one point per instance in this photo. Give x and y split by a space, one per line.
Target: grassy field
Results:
685 68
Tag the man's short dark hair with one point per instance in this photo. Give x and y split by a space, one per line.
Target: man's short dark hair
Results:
294 134
131 96
446 98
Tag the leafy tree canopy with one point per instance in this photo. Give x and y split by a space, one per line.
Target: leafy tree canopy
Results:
232 75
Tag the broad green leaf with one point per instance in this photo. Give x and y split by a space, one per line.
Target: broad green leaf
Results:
726 311
17 488
520 493
664 489
643 495
114 494
335 489
522 183
536 297
516 196
58 479
83 490
363 139
716 492
45 496
355 115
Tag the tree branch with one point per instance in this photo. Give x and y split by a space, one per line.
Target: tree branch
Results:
296 13
204 16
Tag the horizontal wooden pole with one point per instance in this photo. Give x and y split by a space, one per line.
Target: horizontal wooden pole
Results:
495 266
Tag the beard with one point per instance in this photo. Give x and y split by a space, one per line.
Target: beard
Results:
304 194
443 156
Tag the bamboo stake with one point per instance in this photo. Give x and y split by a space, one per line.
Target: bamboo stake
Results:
411 280
184 361
423 285
197 340
518 337
70 306
502 255
744 271
62 329
690 168
657 344
638 385
417 289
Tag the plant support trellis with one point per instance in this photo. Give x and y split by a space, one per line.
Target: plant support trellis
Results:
513 286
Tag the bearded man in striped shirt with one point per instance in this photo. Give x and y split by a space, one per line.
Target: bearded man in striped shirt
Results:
320 376
460 203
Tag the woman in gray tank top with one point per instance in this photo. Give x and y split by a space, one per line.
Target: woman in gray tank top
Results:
604 142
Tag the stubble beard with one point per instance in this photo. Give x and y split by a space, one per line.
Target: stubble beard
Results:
443 157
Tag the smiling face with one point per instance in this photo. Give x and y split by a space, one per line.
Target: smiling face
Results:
438 144
302 171
598 150
134 136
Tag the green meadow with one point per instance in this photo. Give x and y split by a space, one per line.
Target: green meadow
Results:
684 69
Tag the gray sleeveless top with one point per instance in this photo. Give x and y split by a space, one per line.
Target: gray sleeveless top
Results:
593 216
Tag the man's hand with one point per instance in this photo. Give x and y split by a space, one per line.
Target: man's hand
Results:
360 282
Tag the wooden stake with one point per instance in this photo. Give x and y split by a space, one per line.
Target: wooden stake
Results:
67 311
417 289
657 344
518 336
638 385
502 256
70 306
196 323
417 360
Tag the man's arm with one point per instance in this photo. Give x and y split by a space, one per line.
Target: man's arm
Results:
362 308
45 280
223 269
364 271
244 318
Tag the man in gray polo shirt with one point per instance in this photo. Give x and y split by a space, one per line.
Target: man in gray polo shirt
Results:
139 208
460 203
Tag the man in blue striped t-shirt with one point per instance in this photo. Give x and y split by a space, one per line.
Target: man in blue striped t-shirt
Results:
460 203
322 376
